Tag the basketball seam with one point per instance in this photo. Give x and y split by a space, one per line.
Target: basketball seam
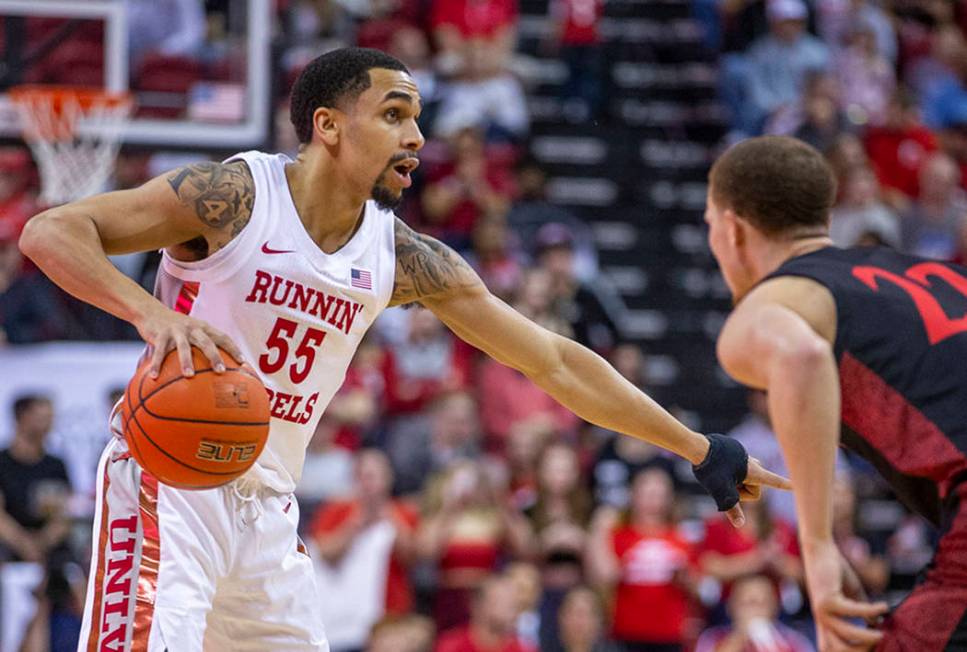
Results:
143 404
177 378
175 459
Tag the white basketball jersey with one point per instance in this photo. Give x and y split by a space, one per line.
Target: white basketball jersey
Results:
297 313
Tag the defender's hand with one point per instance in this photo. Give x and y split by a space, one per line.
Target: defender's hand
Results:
833 613
837 615
166 329
729 475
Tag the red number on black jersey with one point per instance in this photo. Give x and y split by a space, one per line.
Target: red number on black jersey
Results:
916 283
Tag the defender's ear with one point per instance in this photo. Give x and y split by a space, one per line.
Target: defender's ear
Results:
735 227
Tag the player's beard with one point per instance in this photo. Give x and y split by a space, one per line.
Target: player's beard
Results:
383 196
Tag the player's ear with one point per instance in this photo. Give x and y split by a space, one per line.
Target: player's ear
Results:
325 125
734 227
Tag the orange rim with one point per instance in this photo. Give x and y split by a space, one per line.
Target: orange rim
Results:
55 98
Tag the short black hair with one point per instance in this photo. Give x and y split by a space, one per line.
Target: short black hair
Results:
331 79
24 402
777 183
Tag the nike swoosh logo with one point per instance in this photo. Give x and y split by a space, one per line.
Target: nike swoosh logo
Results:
267 250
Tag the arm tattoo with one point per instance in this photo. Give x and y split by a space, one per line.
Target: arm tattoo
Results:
221 195
426 267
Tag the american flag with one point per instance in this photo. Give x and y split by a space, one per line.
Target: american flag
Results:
217 102
360 278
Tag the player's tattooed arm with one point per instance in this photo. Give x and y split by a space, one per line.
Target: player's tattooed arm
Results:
220 194
427 269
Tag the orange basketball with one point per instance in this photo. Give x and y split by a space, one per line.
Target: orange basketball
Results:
198 432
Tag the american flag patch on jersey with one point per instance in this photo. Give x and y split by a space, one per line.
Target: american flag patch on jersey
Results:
360 278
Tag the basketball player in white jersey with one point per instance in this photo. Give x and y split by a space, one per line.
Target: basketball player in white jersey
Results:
285 264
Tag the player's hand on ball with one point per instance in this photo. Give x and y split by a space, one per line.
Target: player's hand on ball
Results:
729 475
165 330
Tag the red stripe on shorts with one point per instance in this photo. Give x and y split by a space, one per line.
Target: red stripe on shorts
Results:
150 560
101 544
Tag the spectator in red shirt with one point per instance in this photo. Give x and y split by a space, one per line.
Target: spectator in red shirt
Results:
469 188
765 545
575 36
898 148
365 545
754 612
429 361
645 562
508 397
493 622
32 308
468 523
469 30
475 40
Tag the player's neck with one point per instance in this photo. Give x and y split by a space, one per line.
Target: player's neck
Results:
775 253
329 210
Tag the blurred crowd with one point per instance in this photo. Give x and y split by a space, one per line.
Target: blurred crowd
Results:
881 88
450 504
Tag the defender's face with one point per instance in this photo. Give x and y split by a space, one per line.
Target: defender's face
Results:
725 247
383 135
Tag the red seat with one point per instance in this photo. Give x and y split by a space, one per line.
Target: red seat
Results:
74 62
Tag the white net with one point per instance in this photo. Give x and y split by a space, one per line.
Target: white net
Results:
75 136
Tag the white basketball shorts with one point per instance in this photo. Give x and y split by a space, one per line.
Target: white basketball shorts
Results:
215 570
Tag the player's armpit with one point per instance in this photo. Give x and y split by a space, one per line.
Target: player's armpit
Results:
428 269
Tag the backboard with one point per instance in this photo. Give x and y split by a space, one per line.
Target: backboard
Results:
209 90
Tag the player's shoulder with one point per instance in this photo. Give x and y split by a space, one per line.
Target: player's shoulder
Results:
221 194
807 297
427 269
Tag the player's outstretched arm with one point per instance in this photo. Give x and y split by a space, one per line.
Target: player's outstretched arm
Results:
431 273
778 339
205 204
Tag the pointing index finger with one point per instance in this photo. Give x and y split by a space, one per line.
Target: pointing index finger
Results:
758 475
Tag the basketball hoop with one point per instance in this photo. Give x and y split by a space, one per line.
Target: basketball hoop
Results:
75 134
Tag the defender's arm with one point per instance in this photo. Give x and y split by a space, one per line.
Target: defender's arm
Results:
206 202
431 273
773 341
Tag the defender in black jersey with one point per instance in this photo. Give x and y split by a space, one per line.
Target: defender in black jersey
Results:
862 347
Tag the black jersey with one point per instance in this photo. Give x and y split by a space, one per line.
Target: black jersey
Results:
901 348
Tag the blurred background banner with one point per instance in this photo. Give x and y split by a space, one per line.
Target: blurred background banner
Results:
79 377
